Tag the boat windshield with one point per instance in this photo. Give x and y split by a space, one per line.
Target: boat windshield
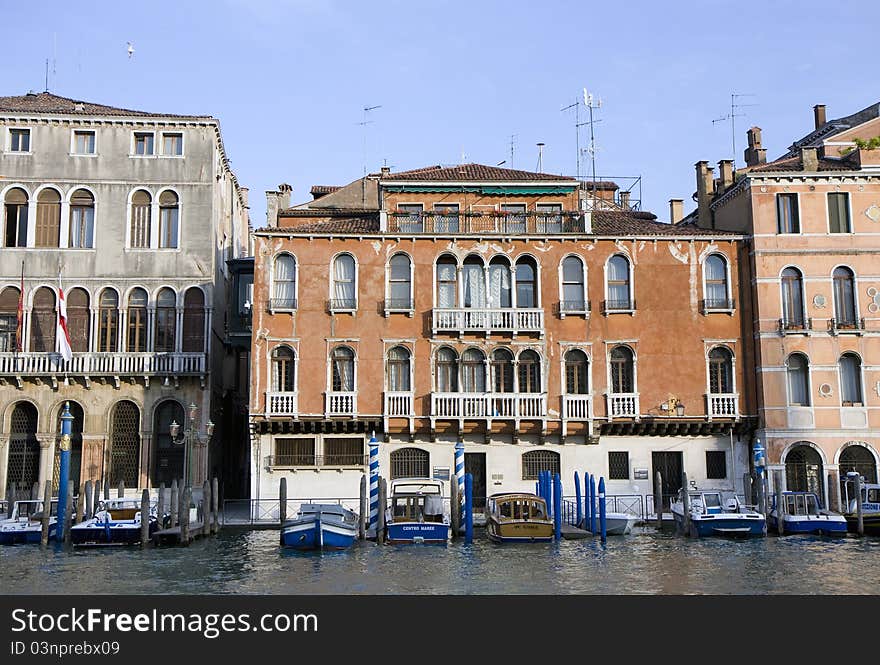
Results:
521 508
712 500
812 506
874 495
416 509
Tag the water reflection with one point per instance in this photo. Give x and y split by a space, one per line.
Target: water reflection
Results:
644 563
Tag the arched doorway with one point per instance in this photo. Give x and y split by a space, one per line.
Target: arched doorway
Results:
167 455
23 463
858 458
803 470
125 444
76 443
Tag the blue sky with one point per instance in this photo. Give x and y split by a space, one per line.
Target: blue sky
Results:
289 79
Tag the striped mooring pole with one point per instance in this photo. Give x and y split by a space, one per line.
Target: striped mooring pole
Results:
64 471
602 508
374 482
459 478
593 515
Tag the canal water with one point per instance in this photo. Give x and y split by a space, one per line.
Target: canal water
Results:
646 562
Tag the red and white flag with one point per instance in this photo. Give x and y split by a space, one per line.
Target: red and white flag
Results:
62 337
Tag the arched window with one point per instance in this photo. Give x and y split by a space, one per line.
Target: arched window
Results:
577 367
619 293
536 461
858 458
529 372
410 463
844 298
798 369
717 292
447 282
194 321
398 370
622 370
169 215
474 283
16 209
803 470
48 228
166 321
473 371
720 371
78 316
342 360
23 461
141 211
499 282
82 219
108 320
399 284
125 444
43 319
137 321
284 282
526 282
574 294
792 299
167 454
446 371
9 319
850 380
283 370
501 365
344 283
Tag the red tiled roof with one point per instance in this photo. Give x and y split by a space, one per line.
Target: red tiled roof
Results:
637 223
471 173
46 102
352 225
795 164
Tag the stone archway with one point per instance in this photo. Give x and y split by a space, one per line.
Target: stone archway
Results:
856 457
23 461
804 471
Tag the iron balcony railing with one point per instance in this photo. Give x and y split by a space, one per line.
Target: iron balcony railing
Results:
340 404
717 305
723 405
572 307
282 304
399 305
349 459
341 305
489 406
836 325
794 325
282 404
519 223
529 320
99 363
611 306
623 405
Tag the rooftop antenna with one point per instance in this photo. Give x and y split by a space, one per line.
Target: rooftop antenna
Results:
366 121
592 103
46 89
540 157
512 149
732 116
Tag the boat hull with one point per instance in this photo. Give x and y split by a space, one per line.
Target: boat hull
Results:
871 522
102 535
313 533
723 525
520 531
12 534
823 525
417 532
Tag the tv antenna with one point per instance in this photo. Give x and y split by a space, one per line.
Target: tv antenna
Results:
591 104
366 121
732 116
588 102
512 150
540 157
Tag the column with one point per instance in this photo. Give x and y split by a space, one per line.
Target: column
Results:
4 460
47 458
178 329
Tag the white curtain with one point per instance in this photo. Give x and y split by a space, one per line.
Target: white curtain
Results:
285 278
446 285
499 285
618 279
343 371
850 380
716 279
344 278
474 286
82 226
797 381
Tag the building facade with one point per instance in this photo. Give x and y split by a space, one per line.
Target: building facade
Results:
133 215
812 218
542 327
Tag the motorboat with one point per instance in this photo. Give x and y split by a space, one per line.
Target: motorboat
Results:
518 518
116 522
417 513
25 525
711 513
870 507
320 526
619 524
802 512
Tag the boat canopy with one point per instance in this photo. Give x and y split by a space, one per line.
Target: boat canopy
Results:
312 508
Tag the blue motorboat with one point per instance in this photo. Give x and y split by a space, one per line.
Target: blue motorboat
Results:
802 512
713 515
417 514
25 524
117 522
320 526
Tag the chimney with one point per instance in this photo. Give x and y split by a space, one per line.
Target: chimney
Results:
809 160
386 171
275 201
705 191
725 173
624 199
676 210
819 115
755 154
284 191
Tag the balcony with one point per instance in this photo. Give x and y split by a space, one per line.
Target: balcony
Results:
340 404
795 326
282 304
488 223
723 405
723 305
850 326
623 405
487 321
103 364
399 404
290 461
488 406
282 404
618 306
573 308
578 408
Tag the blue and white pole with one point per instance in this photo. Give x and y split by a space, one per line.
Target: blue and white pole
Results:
588 512
64 471
593 515
577 495
374 482
760 464
602 508
459 478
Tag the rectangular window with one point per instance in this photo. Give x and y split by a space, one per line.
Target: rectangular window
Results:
294 452
19 140
787 219
343 452
143 143
514 218
549 217
82 226
446 218
168 228
172 144
83 142
618 465
716 464
838 212
409 218
8 329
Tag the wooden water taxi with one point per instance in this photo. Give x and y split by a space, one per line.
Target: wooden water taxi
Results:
518 518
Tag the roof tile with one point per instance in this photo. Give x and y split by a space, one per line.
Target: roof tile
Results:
471 173
46 102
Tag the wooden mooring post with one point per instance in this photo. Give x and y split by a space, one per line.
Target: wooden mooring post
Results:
777 488
175 504
747 488
468 508
380 518
455 508
856 477
47 510
215 505
685 504
88 503
35 491
65 519
282 501
160 504
658 500
120 491
206 508
10 500
145 517
80 504
106 490
185 515
364 509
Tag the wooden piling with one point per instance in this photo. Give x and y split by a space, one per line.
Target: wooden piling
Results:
383 502
364 509
47 511
454 507
685 503
106 489
145 517
215 505
206 507
184 516
175 504
65 520
860 519
777 487
282 501
89 507
120 492
10 500
747 489
658 499
80 504
35 491
160 504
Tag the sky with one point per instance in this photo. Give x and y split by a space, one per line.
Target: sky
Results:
459 81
